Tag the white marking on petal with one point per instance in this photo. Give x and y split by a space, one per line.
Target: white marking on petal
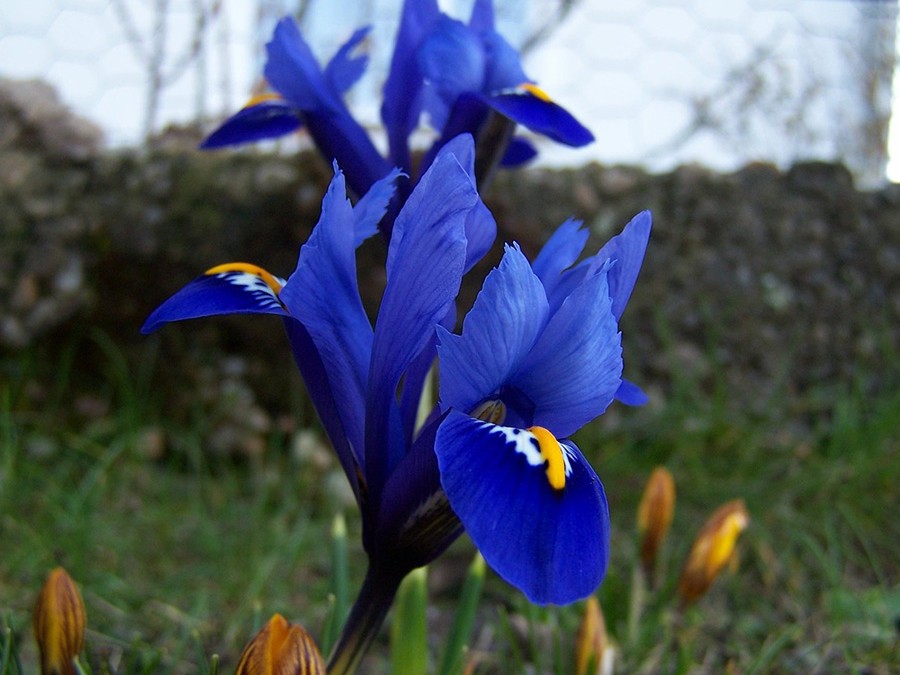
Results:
256 286
527 444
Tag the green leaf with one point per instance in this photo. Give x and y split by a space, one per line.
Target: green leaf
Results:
452 660
409 646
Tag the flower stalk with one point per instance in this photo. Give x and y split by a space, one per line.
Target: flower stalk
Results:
366 616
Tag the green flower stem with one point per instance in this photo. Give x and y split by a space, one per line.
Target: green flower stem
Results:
368 613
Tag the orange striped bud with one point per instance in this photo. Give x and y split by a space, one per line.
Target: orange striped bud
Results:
281 648
593 654
655 516
713 549
59 622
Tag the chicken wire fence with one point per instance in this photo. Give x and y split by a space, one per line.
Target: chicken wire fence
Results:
660 82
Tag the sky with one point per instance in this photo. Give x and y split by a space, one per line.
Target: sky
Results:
633 72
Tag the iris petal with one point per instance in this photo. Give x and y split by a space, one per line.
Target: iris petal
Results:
323 294
542 117
503 66
627 249
481 228
499 331
424 269
292 69
560 252
572 373
552 544
237 288
344 70
267 119
631 394
402 102
452 59
372 206
518 152
482 18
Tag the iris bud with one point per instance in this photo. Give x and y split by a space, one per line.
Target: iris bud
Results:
59 622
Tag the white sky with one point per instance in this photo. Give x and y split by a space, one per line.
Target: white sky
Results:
626 69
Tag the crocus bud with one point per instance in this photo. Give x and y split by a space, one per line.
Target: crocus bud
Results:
593 654
712 550
59 621
654 516
281 649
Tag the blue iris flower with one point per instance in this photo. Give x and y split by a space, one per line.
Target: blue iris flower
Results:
460 74
539 357
353 370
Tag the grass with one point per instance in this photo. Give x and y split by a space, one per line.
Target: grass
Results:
185 557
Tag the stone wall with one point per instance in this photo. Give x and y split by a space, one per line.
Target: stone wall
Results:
765 283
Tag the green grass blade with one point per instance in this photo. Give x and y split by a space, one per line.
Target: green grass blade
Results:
409 634
340 583
464 620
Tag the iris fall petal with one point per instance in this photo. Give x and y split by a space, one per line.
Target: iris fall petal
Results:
270 118
541 116
236 288
551 543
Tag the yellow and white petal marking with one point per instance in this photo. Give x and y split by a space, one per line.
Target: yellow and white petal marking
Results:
540 448
264 286
536 91
262 98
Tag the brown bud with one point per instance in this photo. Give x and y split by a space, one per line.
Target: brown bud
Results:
281 648
59 622
655 516
592 650
712 550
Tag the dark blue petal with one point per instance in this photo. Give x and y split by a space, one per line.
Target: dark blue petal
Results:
344 70
503 68
575 369
551 543
481 228
560 252
452 59
415 520
518 153
235 288
627 249
323 294
424 268
631 394
541 116
498 332
370 209
314 375
293 71
467 116
482 18
269 118
402 103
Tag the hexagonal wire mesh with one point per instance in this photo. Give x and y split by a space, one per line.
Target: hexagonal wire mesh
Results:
660 82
